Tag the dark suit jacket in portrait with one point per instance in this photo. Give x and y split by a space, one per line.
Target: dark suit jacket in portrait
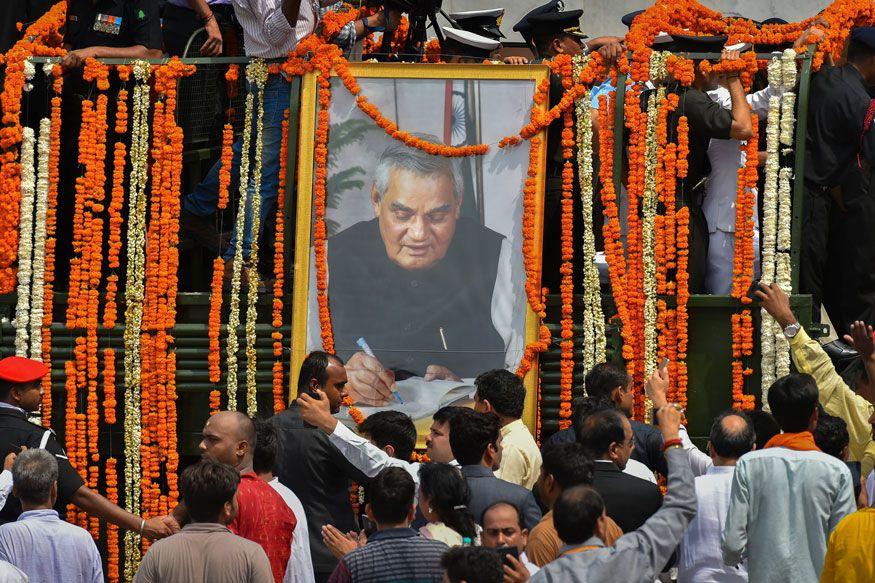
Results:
486 490
630 501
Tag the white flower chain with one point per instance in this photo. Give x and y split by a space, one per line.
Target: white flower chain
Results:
135 293
233 344
593 316
25 242
256 72
39 238
648 232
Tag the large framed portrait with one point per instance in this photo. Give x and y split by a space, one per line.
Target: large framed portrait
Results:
424 254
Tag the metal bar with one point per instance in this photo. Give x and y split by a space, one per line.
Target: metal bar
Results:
619 122
799 168
162 61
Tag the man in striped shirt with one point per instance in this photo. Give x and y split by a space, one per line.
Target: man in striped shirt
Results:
395 552
271 29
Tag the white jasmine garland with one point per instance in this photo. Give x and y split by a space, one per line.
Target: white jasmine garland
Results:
788 117
593 316
25 242
135 294
39 239
784 210
256 72
233 344
788 68
29 72
648 232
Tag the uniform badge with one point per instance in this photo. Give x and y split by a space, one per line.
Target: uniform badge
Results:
108 24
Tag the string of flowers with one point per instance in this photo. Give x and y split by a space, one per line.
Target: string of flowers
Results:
593 318
214 355
112 549
25 243
279 402
39 239
134 294
566 287
256 73
232 345
42 38
49 252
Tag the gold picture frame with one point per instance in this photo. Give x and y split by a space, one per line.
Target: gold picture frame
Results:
303 233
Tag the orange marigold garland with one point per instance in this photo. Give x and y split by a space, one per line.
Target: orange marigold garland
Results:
112 548
214 356
279 401
51 223
566 269
320 231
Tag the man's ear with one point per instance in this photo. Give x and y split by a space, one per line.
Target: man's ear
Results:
488 406
375 199
370 513
556 46
390 450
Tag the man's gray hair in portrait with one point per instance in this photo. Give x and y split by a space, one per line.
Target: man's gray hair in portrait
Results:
33 473
403 157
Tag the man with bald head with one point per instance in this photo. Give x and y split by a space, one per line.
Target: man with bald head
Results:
263 516
701 559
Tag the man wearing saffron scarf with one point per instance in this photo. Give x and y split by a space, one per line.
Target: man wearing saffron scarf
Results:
787 498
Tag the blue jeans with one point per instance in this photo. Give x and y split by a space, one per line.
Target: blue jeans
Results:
204 200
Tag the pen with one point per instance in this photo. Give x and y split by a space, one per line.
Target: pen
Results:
363 344
443 338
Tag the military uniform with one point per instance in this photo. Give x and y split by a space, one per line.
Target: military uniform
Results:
17 431
839 138
113 23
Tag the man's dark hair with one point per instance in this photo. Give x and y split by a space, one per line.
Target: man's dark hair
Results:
205 487
732 444
504 390
5 389
576 514
598 431
472 565
264 455
390 495
764 426
586 406
858 51
568 463
494 505
391 428
471 433
831 435
604 378
444 414
314 367
792 400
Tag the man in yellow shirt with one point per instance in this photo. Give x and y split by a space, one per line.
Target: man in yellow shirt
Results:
502 392
849 557
856 408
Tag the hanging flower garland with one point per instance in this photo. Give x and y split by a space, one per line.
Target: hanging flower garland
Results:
256 73
279 401
117 200
593 317
49 253
25 243
42 38
214 355
134 293
39 239
112 549
232 345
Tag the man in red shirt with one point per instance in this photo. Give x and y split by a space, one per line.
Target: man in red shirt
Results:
263 516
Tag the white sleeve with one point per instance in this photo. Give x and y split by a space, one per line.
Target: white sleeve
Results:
699 460
299 569
509 306
5 486
365 456
759 101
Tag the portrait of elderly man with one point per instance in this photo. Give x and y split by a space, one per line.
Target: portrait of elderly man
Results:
420 290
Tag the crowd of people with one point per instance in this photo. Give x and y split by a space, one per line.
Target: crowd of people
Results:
776 496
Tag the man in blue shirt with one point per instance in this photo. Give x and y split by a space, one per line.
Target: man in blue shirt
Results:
39 543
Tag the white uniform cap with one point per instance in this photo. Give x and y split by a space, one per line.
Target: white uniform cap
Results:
469 38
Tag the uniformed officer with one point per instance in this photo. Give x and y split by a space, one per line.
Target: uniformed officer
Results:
126 29
482 22
840 137
461 46
20 394
707 120
550 32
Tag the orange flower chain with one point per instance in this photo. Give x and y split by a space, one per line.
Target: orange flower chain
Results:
279 401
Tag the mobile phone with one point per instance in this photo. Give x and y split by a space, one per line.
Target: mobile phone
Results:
754 287
503 552
664 364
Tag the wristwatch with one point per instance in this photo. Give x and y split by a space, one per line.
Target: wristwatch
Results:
792 330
